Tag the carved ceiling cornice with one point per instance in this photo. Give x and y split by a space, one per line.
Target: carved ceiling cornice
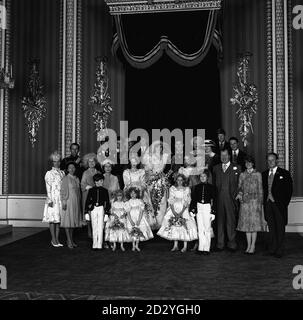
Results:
152 6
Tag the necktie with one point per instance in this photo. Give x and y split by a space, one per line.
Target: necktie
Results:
270 182
224 167
234 156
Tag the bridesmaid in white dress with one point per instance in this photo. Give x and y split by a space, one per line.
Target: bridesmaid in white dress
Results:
173 228
135 177
116 230
136 219
53 206
155 160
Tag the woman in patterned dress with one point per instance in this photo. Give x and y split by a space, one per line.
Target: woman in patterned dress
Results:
53 206
250 195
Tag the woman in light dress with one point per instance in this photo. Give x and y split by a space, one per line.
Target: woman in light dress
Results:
71 204
137 219
87 182
250 195
53 206
111 182
135 177
155 160
116 230
179 201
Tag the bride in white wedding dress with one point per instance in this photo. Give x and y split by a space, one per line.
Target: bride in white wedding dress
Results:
154 161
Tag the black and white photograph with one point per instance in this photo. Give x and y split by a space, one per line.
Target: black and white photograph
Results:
151 150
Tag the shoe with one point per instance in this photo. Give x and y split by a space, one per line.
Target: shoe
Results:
232 250
60 245
70 246
251 253
200 253
75 245
218 249
54 245
205 253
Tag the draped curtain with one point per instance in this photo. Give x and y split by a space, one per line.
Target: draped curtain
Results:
97 26
171 70
244 29
34 34
297 79
169 32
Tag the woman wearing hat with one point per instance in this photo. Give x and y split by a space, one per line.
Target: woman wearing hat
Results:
53 206
211 158
111 182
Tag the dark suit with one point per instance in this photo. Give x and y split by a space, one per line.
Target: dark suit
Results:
97 196
226 186
226 145
240 159
79 168
276 213
196 196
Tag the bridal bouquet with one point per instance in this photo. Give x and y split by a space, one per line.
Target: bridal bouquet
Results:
117 225
177 222
136 233
158 184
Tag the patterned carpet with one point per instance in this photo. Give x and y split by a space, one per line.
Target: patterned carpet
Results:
38 271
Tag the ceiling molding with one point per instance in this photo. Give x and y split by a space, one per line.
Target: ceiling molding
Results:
153 6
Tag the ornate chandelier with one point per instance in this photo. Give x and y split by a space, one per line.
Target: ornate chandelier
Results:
149 6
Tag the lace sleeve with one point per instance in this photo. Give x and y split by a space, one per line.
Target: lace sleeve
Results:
48 185
171 198
126 177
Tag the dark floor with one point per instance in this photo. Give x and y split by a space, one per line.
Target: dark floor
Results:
38 271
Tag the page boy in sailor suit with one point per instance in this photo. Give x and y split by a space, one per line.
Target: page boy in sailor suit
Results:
97 204
203 197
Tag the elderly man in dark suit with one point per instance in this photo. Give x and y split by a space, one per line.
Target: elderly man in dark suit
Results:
277 188
226 176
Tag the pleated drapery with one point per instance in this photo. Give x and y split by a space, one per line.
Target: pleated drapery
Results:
34 34
244 29
164 44
297 80
96 41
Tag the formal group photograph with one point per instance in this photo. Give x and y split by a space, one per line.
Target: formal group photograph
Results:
151 151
